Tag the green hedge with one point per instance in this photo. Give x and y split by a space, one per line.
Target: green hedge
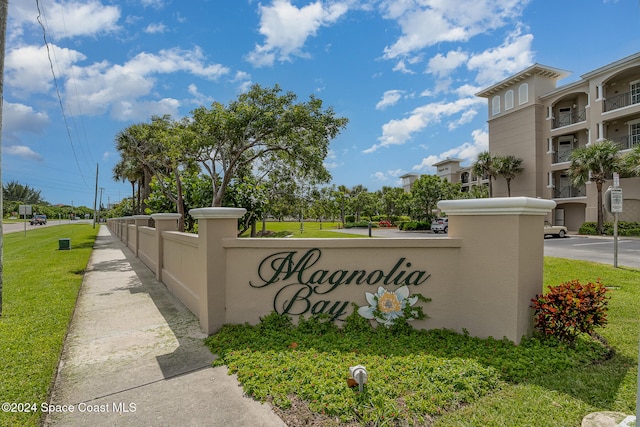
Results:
414 225
625 228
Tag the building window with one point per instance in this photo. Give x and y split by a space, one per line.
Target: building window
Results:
635 92
523 94
495 105
508 100
634 134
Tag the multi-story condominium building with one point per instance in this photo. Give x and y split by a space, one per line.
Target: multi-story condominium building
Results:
532 118
450 170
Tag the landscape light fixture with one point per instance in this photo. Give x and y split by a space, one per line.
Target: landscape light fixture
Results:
359 374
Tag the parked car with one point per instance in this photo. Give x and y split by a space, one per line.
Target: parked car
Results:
440 225
38 220
554 230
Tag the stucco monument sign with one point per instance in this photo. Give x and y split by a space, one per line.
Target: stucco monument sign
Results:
305 286
480 278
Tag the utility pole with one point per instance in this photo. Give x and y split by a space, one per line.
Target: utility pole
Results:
4 7
100 203
95 198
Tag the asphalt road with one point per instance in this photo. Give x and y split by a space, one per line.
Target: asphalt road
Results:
20 227
592 248
595 248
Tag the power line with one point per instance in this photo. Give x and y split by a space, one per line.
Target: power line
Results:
55 81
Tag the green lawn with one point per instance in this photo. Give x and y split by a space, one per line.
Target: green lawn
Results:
564 397
443 378
423 377
306 230
40 288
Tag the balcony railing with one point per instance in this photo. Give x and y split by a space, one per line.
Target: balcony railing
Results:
576 116
621 101
627 141
565 156
566 191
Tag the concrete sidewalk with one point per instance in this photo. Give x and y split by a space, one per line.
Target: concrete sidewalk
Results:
134 356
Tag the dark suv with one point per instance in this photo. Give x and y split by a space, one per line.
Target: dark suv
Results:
38 220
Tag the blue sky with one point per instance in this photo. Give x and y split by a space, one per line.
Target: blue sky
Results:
403 71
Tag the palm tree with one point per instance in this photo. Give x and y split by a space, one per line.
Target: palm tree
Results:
595 163
485 165
16 192
128 170
508 167
632 161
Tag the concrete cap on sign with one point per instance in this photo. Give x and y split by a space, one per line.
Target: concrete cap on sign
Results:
497 206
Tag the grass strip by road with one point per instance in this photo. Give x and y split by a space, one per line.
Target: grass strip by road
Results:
440 377
40 288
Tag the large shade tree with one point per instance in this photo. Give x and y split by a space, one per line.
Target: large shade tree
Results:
427 191
263 124
595 163
162 151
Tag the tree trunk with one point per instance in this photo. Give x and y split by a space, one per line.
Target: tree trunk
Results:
508 187
146 189
179 202
600 213
133 198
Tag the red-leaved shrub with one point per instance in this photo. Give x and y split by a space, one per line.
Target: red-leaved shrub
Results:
571 308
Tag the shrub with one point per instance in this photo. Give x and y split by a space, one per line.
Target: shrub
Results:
589 228
415 225
625 228
350 218
571 308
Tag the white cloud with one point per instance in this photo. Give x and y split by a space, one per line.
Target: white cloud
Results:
331 165
465 118
388 175
199 98
467 90
497 63
399 131
27 68
102 87
22 118
389 98
157 4
423 28
468 152
443 65
158 28
23 151
286 28
67 19
402 67
140 110
425 24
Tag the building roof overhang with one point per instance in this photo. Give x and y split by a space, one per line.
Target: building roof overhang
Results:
447 160
534 70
